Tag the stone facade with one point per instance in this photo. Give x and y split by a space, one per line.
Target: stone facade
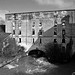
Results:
37 28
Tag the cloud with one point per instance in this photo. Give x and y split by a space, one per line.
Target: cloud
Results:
59 3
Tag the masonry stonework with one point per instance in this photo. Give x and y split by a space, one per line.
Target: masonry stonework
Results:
37 28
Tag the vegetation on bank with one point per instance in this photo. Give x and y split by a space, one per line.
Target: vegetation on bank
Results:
54 52
9 48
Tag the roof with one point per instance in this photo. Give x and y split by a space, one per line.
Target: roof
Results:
41 11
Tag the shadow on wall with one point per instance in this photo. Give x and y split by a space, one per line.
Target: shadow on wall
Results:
47 36
56 52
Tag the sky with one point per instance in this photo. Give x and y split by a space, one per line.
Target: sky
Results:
35 5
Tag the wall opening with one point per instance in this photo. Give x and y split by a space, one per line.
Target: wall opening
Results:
2 28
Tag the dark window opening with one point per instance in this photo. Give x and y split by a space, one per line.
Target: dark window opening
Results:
33 32
40 32
2 28
55 29
40 24
63 40
40 41
63 36
55 25
33 24
63 32
33 40
19 40
13 31
55 40
20 32
55 33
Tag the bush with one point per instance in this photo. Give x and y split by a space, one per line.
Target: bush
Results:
11 53
12 49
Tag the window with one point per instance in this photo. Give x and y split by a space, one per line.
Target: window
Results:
40 41
30 16
33 31
13 36
19 40
63 40
13 32
63 32
33 24
55 25
40 24
40 32
55 41
24 17
55 33
33 40
8 17
13 24
19 23
19 32
63 24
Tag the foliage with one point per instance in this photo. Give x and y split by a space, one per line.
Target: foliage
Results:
12 49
